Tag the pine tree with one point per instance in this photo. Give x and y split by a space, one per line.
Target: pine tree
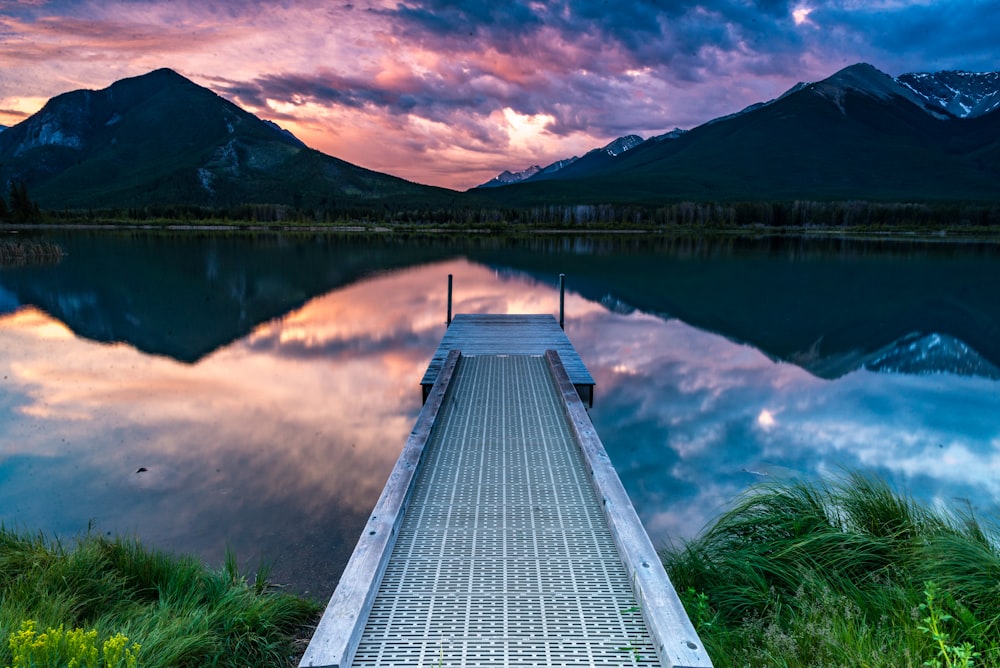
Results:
22 209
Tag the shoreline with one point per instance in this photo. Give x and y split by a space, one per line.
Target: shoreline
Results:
989 234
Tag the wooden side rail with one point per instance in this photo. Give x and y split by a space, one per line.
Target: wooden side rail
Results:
676 641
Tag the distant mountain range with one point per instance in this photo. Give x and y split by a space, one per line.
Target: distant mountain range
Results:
161 140
858 134
538 173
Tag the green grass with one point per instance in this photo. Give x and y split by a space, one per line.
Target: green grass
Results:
179 612
842 573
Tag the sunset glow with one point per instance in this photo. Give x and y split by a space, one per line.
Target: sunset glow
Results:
453 94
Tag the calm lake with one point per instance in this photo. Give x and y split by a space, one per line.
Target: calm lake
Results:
207 390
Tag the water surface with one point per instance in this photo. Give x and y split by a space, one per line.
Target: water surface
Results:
254 391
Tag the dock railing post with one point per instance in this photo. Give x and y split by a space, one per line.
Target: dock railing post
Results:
449 300
562 301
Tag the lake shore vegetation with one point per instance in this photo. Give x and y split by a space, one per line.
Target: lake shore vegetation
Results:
772 216
842 573
24 252
112 602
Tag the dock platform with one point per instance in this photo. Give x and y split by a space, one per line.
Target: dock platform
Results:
492 334
504 538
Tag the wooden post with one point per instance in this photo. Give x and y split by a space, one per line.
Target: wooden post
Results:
562 301
449 300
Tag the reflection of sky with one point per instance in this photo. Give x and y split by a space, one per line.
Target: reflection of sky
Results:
279 444
691 418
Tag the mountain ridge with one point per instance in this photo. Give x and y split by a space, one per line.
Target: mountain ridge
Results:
944 95
859 134
161 139
613 149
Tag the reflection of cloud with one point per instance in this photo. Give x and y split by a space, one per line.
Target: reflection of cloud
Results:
765 419
286 437
304 417
697 422
41 326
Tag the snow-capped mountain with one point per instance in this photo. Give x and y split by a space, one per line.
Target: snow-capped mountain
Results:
507 177
964 94
620 145
858 134
558 164
961 94
673 134
612 149
866 80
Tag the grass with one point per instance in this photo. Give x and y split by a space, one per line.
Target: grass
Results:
179 612
19 253
842 573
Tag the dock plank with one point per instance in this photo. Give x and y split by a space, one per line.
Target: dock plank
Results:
505 334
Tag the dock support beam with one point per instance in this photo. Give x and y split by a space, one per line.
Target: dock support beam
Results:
562 302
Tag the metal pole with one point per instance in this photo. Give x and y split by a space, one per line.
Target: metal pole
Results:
562 301
449 300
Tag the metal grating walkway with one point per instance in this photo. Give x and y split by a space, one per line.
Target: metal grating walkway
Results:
504 556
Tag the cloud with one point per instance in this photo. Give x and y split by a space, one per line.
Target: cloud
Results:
907 37
425 88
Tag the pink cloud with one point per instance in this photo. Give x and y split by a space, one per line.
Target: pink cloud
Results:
421 88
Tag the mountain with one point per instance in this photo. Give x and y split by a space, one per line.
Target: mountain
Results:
859 134
505 178
963 94
160 139
593 159
673 134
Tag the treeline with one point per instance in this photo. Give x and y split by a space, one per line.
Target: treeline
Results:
776 214
779 214
18 207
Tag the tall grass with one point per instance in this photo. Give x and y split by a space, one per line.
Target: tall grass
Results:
19 253
842 573
179 612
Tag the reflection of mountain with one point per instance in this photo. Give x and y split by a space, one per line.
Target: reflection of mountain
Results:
827 305
184 296
934 353
914 354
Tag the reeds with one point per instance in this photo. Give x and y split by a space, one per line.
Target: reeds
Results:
18 253
842 573
179 612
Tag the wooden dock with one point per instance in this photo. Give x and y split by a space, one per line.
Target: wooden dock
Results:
510 335
504 537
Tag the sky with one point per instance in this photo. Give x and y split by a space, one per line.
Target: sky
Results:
452 93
